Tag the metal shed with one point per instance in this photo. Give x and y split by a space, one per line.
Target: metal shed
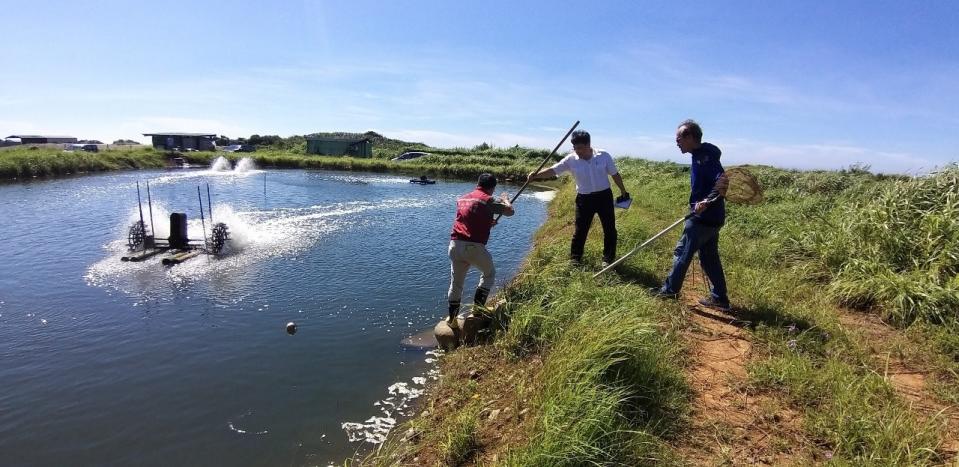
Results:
43 139
183 141
346 145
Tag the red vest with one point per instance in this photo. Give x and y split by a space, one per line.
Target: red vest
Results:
474 217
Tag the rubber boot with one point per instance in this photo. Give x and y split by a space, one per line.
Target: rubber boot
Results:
479 299
454 310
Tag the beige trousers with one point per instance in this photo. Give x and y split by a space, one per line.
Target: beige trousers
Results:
464 254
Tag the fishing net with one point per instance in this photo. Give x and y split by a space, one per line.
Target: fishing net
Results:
742 186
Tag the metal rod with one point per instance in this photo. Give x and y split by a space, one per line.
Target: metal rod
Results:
202 222
139 203
209 204
150 204
647 242
541 165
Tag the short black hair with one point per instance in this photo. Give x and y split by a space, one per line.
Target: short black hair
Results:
486 181
580 137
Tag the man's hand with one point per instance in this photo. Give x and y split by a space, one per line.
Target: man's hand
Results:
722 185
623 197
699 207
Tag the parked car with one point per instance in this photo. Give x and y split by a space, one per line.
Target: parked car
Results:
240 148
82 147
409 155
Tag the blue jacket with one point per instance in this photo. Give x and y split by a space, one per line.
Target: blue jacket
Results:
704 172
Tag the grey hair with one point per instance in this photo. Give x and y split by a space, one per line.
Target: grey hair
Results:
691 128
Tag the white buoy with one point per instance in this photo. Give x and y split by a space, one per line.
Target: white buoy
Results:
291 328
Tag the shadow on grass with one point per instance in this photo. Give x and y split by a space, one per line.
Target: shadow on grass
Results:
637 276
751 318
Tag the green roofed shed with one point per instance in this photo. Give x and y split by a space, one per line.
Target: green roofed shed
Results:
340 145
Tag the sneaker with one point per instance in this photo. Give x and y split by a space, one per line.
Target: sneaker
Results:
711 302
658 292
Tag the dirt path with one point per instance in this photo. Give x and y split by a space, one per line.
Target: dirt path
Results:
730 425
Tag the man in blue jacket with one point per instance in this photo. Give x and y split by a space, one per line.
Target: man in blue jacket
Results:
701 231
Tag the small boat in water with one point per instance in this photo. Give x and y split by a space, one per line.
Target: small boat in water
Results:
422 180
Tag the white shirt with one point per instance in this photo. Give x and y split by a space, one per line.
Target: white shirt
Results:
591 175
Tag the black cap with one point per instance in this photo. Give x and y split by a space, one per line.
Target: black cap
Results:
486 181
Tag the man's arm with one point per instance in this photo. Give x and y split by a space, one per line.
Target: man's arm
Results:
619 182
502 206
719 191
542 174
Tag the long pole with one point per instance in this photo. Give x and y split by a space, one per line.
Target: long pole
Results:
150 204
202 222
647 242
542 164
139 203
667 229
209 203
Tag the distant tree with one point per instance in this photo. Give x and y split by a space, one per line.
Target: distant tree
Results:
222 140
89 141
125 141
482 147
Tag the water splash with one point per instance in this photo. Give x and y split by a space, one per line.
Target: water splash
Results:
255 236
546 195
221 164
245 164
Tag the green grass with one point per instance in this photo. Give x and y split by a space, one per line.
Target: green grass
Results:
459 163
460 166
23 162
460 439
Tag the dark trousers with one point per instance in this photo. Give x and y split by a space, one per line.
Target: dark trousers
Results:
705 240
600 202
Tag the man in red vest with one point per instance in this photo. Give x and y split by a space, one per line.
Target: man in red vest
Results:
474 219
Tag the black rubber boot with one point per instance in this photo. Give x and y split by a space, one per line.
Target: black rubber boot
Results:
479 298
454 310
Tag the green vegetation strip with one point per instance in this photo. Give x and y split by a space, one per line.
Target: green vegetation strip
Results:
24 162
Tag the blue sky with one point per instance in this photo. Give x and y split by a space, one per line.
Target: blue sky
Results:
791 84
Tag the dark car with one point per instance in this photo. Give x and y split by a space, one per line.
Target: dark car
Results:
240 148
410 155
82 147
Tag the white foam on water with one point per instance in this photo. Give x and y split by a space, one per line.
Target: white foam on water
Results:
254 236
221 164
245 164
234 429
401 395
546 196
220 167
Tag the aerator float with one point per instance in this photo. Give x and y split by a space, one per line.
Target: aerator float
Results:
178 245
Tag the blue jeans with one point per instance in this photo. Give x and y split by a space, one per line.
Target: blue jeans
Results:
705 240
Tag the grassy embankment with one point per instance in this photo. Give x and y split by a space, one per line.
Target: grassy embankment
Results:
24 162
596 372
462 163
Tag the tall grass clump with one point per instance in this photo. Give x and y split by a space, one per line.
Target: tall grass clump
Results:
853 411
460 441
27 162
611 388
896 247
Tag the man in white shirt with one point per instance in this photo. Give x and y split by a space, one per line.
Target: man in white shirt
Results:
591 169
